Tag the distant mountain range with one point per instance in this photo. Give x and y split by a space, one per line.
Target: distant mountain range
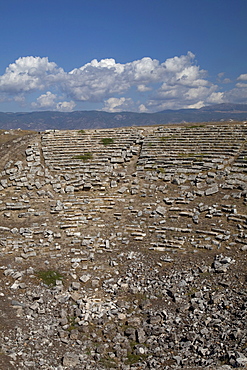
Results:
40 121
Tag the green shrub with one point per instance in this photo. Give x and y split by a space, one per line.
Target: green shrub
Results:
107 141
194 126
164 138
84 157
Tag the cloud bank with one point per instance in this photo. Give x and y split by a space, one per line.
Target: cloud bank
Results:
144 85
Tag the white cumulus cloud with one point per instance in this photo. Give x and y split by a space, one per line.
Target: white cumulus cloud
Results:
48 101
237 94
143 88
118 105
221 79
66 106
242 77
140 85
29 74
45 101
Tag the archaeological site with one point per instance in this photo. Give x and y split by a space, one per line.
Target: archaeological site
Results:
124 248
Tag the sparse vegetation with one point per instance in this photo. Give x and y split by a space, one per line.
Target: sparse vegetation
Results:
72 323
108 362
165 138
133 359
194 126
49 277
186 155
84 157
81 131
107 141
199 157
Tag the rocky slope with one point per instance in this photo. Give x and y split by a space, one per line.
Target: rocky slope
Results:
124 248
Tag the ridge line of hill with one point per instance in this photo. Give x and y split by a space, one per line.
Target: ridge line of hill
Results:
43 120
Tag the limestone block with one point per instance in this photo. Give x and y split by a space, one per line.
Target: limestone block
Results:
69 189
214 189
161 210
117 160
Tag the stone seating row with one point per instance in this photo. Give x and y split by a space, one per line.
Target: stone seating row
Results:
169 149
197 148
61 149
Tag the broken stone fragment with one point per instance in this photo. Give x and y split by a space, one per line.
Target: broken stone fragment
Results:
221 264
87 186
75 285
4 183
69 189
122 189
212 190
85 278
161 210
71 359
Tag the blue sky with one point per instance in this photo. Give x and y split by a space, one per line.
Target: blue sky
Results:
138 55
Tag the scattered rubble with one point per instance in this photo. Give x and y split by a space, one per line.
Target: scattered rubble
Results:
130 257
